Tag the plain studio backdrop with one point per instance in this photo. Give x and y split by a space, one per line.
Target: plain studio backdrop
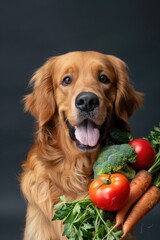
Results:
31 31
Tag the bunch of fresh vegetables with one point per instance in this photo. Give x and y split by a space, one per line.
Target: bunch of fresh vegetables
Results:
111 194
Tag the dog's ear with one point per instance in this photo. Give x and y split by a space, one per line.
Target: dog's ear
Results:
40 103
127 98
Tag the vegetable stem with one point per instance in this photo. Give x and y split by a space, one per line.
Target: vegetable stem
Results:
97 210
157 180
156 166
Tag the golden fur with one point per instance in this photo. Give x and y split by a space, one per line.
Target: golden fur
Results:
55 166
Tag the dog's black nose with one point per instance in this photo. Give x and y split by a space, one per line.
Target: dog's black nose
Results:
87 101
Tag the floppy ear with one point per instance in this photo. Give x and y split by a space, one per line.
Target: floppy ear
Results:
40 103
127 98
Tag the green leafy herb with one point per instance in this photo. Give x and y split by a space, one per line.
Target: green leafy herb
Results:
83 220
119 136
154 137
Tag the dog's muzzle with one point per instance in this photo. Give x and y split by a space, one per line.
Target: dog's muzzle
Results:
87 134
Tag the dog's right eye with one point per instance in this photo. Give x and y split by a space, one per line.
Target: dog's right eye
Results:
66 81
104 79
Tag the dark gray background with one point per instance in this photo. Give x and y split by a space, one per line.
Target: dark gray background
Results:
30 32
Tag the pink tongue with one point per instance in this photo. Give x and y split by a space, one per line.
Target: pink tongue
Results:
87 133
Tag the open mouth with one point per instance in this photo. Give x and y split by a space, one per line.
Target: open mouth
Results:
87 134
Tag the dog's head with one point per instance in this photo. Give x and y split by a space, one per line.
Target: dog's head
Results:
86 92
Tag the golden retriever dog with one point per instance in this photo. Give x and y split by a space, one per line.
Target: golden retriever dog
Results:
77 97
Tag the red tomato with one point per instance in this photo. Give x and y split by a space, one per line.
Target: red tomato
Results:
110 191
145 153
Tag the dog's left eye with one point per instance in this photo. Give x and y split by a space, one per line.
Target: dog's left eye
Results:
104 79
66 81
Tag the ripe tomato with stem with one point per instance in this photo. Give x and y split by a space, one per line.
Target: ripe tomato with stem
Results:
110 191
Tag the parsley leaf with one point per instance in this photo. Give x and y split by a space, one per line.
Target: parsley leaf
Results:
83 220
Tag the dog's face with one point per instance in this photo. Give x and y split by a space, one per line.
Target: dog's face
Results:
86 92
